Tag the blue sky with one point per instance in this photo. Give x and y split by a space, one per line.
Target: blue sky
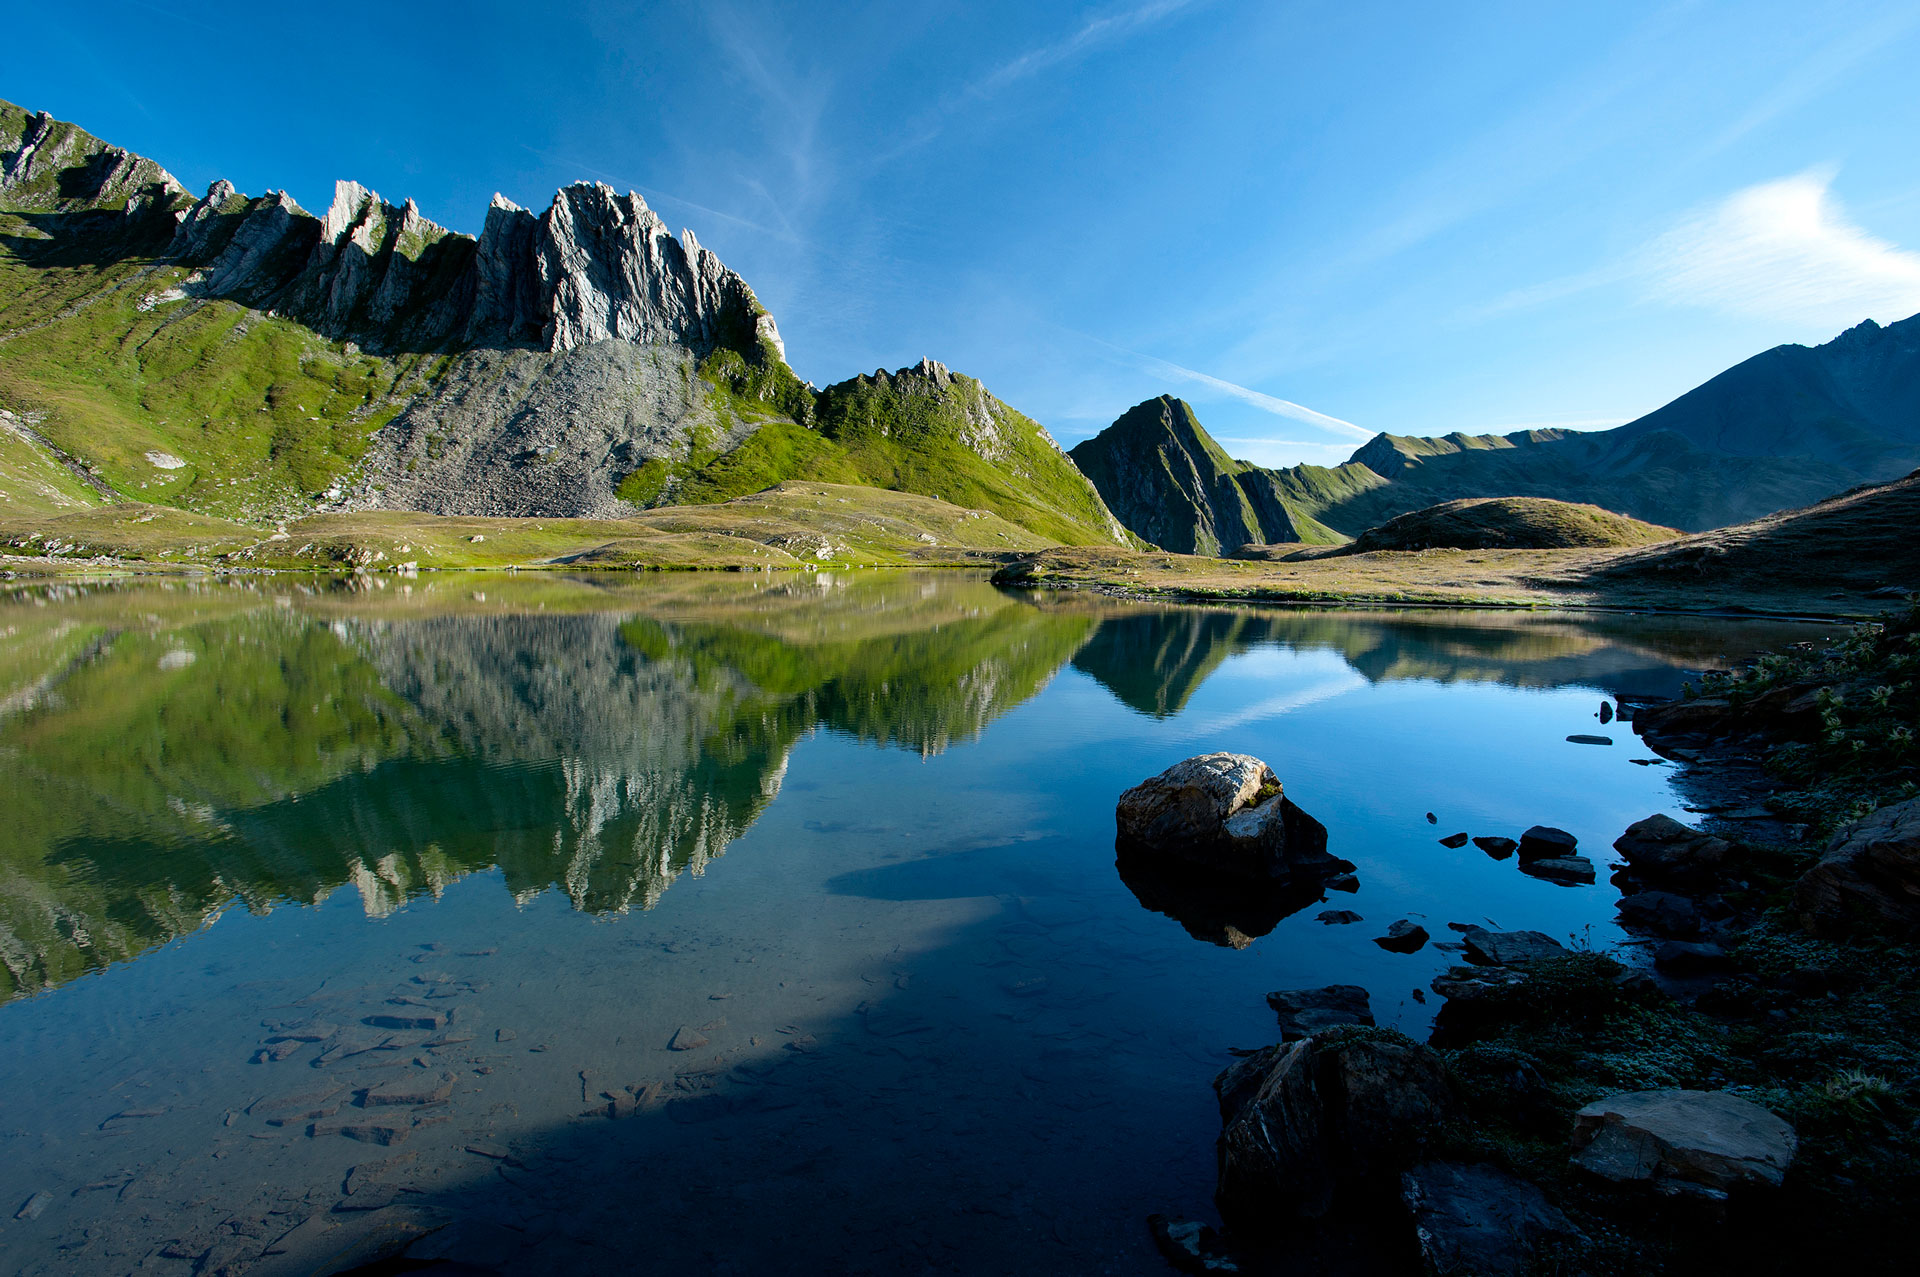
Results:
1312 220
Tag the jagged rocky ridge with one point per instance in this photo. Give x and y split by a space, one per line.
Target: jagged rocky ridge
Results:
578 362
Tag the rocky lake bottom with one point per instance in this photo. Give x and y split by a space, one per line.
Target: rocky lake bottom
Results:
721 922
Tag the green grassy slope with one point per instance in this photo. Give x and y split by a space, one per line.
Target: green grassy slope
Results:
1517 523
791 525
1174 486
921 430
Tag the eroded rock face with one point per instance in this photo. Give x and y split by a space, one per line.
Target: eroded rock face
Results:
1479 1218
1683 1142
595 266
1303 1120
1224 813
1869 877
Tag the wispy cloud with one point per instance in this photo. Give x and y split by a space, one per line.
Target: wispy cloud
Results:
1783 250
1264 402
1093 34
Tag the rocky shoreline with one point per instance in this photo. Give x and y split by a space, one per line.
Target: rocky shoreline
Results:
1739 1093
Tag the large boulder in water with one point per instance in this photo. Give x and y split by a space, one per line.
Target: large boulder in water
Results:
1303 1120
1224 813
1869 875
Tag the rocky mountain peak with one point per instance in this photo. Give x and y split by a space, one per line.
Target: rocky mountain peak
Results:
610 269
48 164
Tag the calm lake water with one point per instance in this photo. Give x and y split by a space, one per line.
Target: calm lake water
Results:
503 844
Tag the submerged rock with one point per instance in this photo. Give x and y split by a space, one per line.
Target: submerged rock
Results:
1305 1119
1403 936
1683 1141
1479 1219
1305 1012
1226 814
1869 875
1510 948
1190 1246
1565 870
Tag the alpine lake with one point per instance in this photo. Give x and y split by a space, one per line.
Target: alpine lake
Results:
719 922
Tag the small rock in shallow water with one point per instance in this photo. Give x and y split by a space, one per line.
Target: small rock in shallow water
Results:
34 1206
1510 948
1496 847
1403 936
1348 883
1544 841
1190 1247
1338 917
432 1089
1589 740
366 1131
1305 1012
1432 819
1566 870
432 1021
687 1038
1454 840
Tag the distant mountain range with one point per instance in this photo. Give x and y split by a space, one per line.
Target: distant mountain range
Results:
1784 429
239 357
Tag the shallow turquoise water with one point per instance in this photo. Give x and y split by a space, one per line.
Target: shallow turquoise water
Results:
856 833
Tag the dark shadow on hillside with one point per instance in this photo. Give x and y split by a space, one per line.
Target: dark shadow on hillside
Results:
89 237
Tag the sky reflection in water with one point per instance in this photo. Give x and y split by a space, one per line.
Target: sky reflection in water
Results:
873 812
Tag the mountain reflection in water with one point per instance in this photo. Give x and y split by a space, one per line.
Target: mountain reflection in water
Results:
177 748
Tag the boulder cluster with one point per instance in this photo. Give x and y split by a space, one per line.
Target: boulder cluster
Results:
1341 1116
